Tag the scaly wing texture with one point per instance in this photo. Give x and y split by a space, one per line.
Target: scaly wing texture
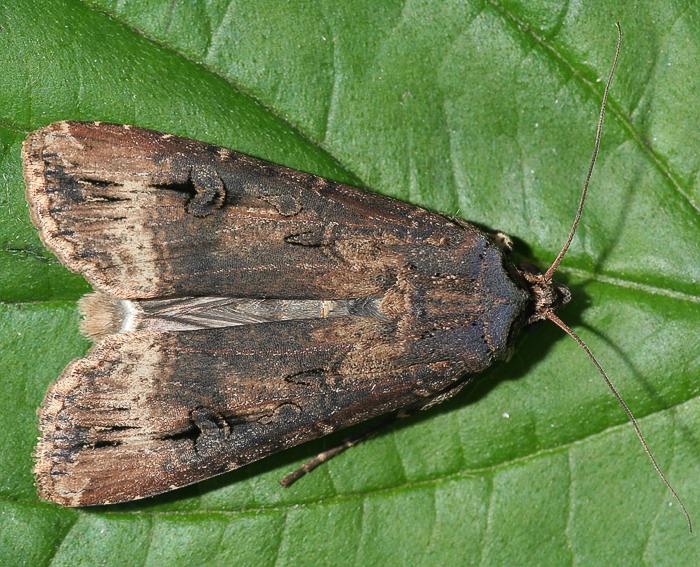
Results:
170 409
143 214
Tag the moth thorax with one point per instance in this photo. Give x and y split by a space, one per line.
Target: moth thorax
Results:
547 294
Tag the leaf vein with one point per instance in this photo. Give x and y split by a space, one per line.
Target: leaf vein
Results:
613 107
57 547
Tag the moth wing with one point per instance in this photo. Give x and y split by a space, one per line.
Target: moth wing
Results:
144 413
143 214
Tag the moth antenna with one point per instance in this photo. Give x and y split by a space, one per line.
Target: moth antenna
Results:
594 157
633 420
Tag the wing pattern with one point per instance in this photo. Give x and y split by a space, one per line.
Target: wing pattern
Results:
225 259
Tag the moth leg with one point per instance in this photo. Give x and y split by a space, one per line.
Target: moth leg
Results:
328 454
438 398
358 438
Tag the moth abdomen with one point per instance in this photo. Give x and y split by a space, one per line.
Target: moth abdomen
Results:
104 315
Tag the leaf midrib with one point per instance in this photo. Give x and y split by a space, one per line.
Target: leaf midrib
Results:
613 107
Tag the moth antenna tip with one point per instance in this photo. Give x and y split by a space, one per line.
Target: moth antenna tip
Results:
632 419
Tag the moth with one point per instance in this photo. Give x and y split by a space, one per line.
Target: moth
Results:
242 307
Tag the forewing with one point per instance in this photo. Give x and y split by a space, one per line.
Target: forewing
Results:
148 412
143 215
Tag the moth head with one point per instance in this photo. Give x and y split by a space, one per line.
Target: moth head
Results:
547 294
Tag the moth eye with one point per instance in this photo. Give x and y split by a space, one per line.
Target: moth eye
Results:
564 293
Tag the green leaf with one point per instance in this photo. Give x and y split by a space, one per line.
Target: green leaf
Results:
482 109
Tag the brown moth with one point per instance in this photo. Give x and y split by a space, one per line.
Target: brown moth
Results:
243 308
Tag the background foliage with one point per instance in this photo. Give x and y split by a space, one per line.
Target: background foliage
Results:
485 109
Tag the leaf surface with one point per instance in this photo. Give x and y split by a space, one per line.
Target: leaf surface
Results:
481 109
